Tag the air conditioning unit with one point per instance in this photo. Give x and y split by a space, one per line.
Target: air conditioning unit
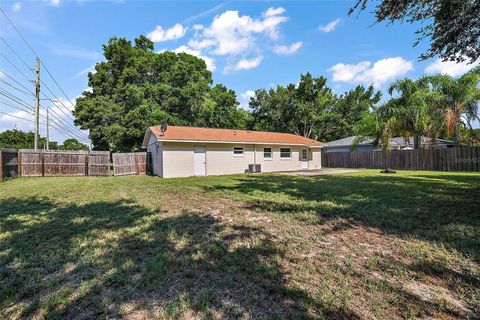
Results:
254 168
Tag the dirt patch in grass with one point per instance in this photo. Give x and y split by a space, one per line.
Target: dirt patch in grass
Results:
149 248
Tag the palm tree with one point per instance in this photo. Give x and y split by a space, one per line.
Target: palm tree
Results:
382 126
410 108
457 99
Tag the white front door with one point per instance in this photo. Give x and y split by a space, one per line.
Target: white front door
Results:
199 161
304 158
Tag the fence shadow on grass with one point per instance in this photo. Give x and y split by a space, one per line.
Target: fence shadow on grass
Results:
108 259
439 208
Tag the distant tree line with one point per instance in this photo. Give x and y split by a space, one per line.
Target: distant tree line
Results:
135 87
17 139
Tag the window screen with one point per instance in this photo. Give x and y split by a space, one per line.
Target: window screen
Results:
267 153
285 153
238 151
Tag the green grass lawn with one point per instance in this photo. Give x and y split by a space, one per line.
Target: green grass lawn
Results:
360 245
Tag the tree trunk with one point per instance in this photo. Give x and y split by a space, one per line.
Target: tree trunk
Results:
455 135
416 141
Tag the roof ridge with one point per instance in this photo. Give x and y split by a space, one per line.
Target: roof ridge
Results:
246 130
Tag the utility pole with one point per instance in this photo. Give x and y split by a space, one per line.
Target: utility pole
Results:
48 131
37 103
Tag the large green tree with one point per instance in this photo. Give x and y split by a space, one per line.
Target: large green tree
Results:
311 109
73 144
17 139
453 26
136 87
410 108
457 100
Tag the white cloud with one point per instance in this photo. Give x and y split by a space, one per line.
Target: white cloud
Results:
330 26
274 12
348 72
248 94
377 73
237 37
232 34
12 121
244 64
159 34
245 99
16 6
204 13
208 61
286 50
53 3
85 71
201 44
451 68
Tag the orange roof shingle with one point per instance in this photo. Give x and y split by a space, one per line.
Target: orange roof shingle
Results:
181 133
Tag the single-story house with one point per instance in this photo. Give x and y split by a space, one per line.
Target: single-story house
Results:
190 151
397 143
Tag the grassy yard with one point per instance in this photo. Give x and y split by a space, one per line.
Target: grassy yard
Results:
361 245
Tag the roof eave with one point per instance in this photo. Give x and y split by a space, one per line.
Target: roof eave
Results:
237 142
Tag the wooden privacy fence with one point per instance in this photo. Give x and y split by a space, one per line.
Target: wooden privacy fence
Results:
8 163
99 163
132 163
42 163
450 159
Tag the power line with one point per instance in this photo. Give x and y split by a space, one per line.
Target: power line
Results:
26 108
42 123
47 97
43 64
9 96
21 118
17 107
16 88
15 53
13 79
79 135
14 66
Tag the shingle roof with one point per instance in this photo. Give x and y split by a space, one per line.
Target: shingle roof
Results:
181 133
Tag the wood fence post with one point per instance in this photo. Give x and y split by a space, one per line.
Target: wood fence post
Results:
1 166
86 164
43 163
137 167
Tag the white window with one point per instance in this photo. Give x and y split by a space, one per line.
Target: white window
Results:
285 153
238 152
267 153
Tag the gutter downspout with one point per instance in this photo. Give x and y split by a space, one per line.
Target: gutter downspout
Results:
255 154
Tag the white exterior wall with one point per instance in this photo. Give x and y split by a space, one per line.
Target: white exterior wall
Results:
221 160
178 159
315 162
156 149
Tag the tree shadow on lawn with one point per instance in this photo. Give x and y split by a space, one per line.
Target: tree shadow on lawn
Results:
439 208
117 259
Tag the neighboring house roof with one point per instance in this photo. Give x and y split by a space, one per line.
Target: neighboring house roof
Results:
396 141
347 142
195 134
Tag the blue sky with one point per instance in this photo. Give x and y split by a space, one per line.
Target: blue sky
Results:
247 45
